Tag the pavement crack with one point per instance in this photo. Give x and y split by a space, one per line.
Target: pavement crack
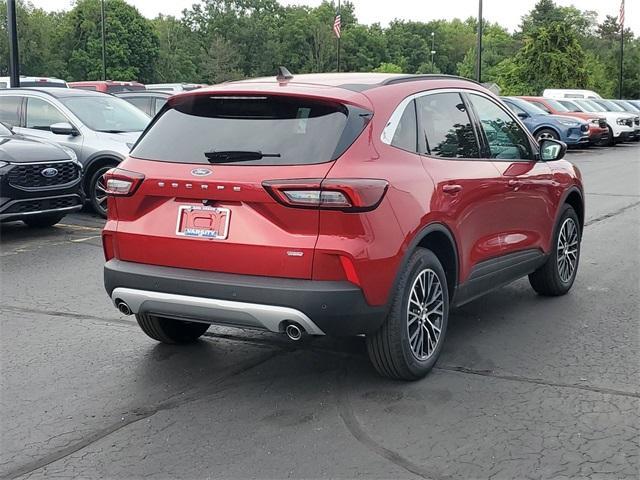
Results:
345 408
136 415
536 381
79 316
611 214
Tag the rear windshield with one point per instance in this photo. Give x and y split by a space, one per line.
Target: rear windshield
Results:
276 130
44 83
124 88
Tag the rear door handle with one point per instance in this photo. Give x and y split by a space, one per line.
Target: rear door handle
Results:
451 188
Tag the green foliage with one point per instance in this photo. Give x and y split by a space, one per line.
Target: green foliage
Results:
219 40
388 68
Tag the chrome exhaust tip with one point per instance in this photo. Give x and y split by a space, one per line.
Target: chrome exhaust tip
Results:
123 307
294 332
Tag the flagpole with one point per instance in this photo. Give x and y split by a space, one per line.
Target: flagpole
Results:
338 49
621 56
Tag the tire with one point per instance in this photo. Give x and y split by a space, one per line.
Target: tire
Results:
546 133
390 349
168 330
43 221
611 141
97 199
553 278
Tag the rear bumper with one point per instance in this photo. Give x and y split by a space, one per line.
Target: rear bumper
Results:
334 308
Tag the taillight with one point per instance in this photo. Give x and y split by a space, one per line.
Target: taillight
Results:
349 194
122 183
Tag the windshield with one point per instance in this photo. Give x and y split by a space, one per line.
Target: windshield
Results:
530 108
107 114
4 131
570 106
251 130
557 105
629 106
589 106
612 107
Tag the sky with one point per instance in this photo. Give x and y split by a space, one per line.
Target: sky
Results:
504 12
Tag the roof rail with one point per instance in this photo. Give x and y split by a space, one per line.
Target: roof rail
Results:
426 76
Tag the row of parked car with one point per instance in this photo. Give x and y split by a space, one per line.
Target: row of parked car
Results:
58 139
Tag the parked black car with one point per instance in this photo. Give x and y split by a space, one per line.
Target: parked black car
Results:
39 181
149 101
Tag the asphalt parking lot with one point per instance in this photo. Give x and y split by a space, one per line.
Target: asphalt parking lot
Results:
527 387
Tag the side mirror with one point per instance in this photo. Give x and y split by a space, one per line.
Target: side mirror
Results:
63 128
523 115
551 149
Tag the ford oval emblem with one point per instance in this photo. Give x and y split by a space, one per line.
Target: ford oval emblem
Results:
49 172
200 172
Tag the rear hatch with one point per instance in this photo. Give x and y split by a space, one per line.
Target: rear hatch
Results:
202 204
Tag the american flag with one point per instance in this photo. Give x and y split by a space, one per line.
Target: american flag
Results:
621 14
337 25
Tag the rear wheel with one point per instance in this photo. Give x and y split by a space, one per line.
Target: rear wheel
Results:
43 221
558 273
97 191
408 344
168 330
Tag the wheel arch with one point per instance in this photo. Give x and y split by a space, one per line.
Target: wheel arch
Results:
574 198
438 238
547 127
96 161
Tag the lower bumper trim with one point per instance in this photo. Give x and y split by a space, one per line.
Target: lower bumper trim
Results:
214 311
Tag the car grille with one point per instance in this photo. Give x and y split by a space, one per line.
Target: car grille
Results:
602 122
37 205
31 177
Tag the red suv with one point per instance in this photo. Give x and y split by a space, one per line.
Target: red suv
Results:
337 204
108 86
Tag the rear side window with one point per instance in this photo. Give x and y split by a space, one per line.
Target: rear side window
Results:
406 134
278 130
10 110
143 103
124 88
445 125
159 103
41 114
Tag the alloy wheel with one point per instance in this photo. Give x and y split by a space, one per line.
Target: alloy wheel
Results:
545 135
100 191
567 250
425 314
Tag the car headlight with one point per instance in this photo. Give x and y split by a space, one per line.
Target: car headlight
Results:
621 121
2 164
72 155
569 123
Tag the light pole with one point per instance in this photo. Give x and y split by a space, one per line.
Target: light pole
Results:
12 30
104 48
433 51
479 45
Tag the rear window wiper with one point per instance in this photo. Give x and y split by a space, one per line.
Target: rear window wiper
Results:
225 156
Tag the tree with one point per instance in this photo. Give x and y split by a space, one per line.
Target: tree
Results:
550 58
178 52
132 45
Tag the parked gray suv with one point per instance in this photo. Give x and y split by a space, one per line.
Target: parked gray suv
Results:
99 127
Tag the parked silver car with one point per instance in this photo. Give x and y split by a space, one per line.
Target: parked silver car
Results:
99 127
